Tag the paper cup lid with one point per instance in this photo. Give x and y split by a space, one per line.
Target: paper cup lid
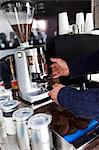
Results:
40 120
8 106
22 114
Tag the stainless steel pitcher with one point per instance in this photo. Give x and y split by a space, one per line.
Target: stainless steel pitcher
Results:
21 116
41 138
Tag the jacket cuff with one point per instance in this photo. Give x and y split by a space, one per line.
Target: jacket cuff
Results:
61 98
75 68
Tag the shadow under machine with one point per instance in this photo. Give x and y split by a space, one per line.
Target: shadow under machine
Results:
29 60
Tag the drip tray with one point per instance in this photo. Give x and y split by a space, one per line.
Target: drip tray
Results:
32 97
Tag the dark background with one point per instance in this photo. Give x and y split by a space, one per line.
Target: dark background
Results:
49 9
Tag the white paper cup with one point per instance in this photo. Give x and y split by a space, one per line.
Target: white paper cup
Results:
80 22
89 25
63 23
79 18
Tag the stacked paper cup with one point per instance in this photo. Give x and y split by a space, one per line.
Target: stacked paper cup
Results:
89 25
63 23
80 22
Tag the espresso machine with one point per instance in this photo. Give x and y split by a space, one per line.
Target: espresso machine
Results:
29 60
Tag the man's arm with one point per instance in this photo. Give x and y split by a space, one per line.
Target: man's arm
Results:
0 72
82 103
79 66
84 64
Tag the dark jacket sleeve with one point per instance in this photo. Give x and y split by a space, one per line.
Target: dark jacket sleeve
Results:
83 103
84 64
0 72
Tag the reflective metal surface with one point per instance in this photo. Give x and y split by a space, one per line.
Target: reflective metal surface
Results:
60 143
41 134
21 116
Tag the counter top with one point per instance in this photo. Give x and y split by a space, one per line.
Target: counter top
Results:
13 143
10 143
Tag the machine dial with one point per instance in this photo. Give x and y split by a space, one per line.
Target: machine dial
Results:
19 54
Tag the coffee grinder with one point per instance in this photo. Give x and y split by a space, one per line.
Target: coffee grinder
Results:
29 60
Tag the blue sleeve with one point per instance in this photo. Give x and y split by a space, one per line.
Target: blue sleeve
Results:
83 103
0 72
84 64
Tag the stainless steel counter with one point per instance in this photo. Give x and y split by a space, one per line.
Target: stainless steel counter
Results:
59 142
10 143
13 143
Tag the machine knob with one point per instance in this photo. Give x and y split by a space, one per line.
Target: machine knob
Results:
19 54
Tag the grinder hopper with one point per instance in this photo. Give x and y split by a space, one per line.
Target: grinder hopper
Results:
20 16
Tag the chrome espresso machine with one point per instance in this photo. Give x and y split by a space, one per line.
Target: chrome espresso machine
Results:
29 60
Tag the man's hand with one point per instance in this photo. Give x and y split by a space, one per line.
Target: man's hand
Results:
54 92
59 68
